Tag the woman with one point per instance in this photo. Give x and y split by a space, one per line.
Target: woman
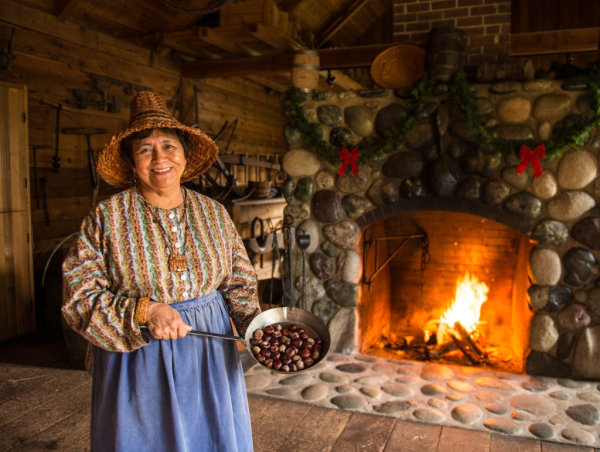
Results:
167 258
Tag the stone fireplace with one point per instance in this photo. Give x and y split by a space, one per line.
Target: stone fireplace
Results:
533 241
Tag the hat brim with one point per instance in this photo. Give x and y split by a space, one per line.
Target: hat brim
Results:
118 172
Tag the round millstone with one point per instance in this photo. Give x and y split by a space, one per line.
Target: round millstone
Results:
433 389
578 436
550 232
371 392
314 392
577 169
331 377
398 390
436 372
503 426
541 430
551 107
545 266
395 406
497 408
254 382
544 333
545 186
351 368
298 163
515 109
429 415
467 413
534 404
349 401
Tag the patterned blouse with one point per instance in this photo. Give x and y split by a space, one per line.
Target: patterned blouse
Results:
121 255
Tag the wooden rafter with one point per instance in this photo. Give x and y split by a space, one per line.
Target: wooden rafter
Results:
281 63
335 23
289 5
554 42
62 8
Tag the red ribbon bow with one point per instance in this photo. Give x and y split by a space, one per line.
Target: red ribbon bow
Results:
528 156
348 157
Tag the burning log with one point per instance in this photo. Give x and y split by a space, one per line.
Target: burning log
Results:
437 351
463 341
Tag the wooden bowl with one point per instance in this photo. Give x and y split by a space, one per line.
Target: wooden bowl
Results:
398 66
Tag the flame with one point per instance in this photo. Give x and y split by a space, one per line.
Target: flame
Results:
465 308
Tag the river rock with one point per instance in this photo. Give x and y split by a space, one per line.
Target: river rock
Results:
467 413
586 414
479 162
535 385
538 296
310 228
305 188
349 402
550 232
577 169
373 93
292 135
429 415
343 234
342 328
444 177
456 149
539 84
587 354
360 120
544 334
355 206
557 296
545 186
314 392
352 267
514 132
503 426
349 183
460 129
544 130
330 115
551 107
578 436
524 205
394 406
421 134
565 344
320 265
324 309
411 187
343 293
341 137
327 206
329 249
577 83
324 180
563 128
322 96
469 189
484 106
545 266
584 104
540 363
375 194
436 372
388 117
297 211
428 109
580 264
570 205
534 403
519 181
504 87
587 232
403 164
298 163
495 192
514 109
398 390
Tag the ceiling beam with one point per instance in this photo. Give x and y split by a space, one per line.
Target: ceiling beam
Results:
344 57
62 8
554 42
289 5
335 23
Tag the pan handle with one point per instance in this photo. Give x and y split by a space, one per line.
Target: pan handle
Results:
207 334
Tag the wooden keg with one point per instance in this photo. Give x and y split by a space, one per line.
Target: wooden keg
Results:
305 70
445 53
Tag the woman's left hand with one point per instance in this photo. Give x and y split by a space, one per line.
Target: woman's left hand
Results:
164 322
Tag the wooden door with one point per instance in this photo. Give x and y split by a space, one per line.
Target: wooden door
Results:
16 263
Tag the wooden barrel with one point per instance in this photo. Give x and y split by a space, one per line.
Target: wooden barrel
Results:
445 53
305 70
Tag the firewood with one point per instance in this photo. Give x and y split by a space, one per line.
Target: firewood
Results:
437 351
512 70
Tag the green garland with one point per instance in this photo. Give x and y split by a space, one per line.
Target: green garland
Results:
574 138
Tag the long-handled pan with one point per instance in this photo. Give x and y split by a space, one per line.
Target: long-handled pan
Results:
285 316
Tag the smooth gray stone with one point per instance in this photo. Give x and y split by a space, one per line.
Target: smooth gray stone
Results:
551 107
393 115
329 249
314 392
535 385
300 379
349 401
257 381
305 188
577 83
360 120
579 264
333 377
495 192
460 129
572 384
557 296
444 177
469 189
467 413
343 293
398 390
543 364
324 309
503 426
559 395
341 138
497 408
355 206
433 389
351 368
505 87
288 189
541 430
330 115
524 205
534 403
429 415
320 265
586 414
578 436
403 164
292 135
286 392
550 232
395 406
514 132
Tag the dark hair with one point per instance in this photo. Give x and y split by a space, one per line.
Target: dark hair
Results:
126 146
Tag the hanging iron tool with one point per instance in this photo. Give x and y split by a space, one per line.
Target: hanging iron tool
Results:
59 109
34 149
288 222
7 57
260 240
43 180
303 241
88 132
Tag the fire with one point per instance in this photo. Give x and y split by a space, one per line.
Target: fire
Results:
465 308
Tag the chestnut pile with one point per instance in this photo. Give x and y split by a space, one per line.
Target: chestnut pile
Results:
285 349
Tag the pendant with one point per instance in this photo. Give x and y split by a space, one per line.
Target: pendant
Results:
178 263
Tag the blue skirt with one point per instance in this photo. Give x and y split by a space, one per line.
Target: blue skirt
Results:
184 395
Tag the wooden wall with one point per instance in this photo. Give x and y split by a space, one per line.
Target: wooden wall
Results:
55 58
528 16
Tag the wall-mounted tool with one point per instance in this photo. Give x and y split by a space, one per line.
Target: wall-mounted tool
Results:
85 99
34 149
7 56
43 180
303 241
88 132
59 109
101 82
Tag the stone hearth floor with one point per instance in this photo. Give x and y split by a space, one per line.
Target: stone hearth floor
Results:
551 409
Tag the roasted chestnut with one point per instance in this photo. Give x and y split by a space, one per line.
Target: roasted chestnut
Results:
268 329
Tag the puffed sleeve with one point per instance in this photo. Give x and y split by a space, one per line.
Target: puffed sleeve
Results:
90 305
240 287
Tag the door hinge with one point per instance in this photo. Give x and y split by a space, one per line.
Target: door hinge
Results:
28 237
24 117
25 182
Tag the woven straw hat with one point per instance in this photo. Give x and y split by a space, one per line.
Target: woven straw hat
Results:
148 111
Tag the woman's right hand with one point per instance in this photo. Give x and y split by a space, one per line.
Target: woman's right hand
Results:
164 322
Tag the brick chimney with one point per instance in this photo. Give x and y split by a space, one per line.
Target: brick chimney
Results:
485 22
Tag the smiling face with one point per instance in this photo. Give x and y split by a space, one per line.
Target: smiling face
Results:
159 162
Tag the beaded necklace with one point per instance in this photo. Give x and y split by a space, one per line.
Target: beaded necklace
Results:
177 262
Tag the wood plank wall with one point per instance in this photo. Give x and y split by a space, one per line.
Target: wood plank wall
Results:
55 58
528 16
